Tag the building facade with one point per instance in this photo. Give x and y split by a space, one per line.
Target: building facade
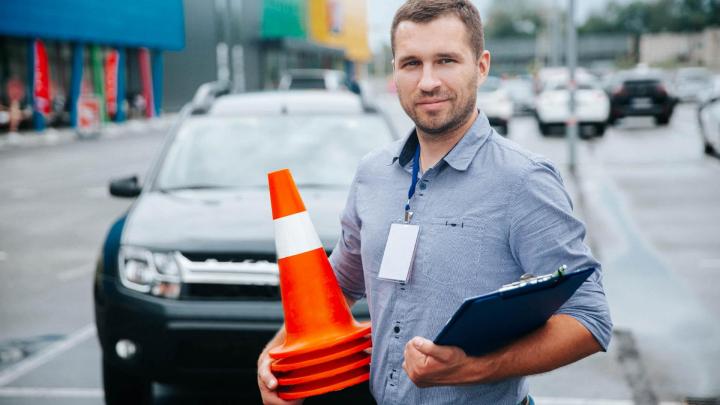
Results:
701 48
58 56
250 43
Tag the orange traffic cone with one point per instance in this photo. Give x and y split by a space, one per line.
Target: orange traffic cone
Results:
324 347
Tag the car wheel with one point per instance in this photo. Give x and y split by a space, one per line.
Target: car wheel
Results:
502 130
600 130
544 129
709 149
123 388
662 119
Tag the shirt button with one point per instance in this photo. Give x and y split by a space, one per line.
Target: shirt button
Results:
396 329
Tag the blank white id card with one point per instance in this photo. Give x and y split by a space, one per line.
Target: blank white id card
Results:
399 252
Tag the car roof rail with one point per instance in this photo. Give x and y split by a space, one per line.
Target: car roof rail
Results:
206 95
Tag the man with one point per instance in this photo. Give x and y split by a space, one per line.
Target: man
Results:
488 212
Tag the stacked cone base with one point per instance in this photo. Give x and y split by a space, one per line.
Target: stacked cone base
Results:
330 384
321 356
322 371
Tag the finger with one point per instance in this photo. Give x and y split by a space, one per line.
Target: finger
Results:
266 375
429 348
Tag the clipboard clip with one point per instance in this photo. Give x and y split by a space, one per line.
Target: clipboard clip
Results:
531 279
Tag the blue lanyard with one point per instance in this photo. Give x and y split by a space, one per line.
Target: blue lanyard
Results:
413 183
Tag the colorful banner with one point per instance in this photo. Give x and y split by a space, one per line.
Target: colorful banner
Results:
41 79
146 79
111 81
98 77
283 18
341 24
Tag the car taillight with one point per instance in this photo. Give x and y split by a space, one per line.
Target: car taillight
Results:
619 91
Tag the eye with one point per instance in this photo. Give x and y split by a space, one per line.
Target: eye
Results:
445 61
412 63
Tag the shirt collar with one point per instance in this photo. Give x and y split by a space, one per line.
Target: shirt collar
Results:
460 155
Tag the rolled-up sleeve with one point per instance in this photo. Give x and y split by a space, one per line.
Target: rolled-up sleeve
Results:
545 235
345 259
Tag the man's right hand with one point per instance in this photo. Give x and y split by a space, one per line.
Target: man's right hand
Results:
268 383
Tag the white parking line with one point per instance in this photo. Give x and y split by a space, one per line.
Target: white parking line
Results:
18 370
36 392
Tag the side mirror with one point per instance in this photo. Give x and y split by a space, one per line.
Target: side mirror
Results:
127 187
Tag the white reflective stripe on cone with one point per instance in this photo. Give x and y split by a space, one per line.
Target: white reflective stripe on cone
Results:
295 234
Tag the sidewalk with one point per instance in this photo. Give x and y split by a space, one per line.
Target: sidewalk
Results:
56 136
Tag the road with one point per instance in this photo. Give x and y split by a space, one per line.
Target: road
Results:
649 196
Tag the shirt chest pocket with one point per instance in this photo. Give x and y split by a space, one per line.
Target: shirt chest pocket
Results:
450 253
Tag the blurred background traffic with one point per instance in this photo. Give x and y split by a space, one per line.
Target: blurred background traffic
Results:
136 252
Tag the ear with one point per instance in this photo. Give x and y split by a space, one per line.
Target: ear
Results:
483 66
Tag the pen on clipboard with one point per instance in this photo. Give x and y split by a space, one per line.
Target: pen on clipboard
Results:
529 279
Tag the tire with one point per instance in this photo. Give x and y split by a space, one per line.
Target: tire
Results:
709 149
662 119
502 130
544 129
123 388
600 130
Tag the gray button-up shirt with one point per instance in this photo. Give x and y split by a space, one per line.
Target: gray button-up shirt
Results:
488 212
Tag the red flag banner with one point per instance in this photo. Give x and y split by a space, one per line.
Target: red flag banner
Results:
41 79
146 78
111 77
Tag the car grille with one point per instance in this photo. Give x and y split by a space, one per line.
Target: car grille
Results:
228 276
231 292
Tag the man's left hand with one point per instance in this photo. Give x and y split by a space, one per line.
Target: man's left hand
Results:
428 364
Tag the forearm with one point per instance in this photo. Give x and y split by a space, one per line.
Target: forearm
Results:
561 341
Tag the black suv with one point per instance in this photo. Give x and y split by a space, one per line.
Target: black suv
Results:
641 94
186 286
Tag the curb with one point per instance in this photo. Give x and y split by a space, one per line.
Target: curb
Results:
54 136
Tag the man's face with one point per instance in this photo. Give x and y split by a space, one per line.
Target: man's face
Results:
437 73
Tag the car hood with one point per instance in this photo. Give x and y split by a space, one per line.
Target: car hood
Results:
222 220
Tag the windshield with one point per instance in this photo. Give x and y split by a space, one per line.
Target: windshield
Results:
233 152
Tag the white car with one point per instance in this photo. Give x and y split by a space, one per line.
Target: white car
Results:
691 82
313 79
494 100
709 118
592 108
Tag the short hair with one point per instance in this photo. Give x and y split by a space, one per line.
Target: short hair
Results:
424 11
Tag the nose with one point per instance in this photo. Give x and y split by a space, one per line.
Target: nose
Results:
429 80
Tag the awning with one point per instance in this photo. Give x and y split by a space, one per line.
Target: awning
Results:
154 24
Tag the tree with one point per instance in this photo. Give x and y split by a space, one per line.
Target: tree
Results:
513 18
641 17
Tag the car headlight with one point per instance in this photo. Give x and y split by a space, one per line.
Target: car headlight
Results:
154 273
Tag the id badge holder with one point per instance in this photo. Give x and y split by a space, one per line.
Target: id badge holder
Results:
399 252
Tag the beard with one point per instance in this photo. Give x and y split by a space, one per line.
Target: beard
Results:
439 124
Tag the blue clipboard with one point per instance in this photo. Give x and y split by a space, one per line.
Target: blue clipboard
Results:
488 322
